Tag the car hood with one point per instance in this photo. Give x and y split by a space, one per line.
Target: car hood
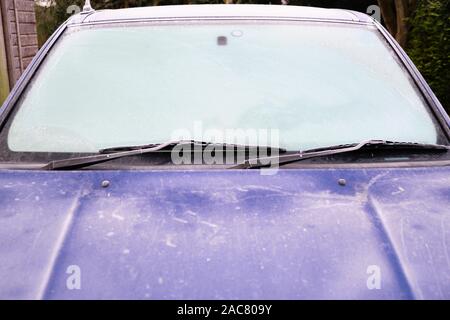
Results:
234 234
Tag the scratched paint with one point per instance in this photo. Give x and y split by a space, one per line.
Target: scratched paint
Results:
226 234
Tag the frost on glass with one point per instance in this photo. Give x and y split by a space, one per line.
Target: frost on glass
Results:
318 84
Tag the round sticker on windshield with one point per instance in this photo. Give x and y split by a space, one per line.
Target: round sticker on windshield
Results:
237 33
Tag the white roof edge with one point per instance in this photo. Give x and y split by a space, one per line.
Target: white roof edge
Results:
223 11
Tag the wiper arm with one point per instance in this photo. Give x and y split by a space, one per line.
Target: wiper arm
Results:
109 154
79 162
337 149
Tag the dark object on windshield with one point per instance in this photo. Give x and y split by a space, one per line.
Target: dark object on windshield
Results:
222 41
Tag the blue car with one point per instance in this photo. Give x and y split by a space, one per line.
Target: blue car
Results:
223 152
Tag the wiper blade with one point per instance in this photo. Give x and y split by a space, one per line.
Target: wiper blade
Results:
79 162
191 142
337 149
385 144
109 154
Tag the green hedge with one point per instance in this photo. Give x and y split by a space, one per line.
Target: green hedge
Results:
429 45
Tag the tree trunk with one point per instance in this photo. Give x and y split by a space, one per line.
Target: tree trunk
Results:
395 14
403 12
389 15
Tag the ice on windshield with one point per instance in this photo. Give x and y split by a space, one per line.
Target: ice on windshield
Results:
318 84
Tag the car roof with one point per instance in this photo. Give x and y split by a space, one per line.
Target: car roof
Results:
222 11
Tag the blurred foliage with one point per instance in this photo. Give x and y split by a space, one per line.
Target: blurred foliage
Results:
429 45
428 39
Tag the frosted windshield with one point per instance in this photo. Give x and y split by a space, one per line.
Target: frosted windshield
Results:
318 84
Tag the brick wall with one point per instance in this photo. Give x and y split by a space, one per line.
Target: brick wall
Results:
19 27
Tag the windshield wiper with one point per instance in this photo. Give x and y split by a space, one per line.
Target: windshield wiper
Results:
109 154
338 149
